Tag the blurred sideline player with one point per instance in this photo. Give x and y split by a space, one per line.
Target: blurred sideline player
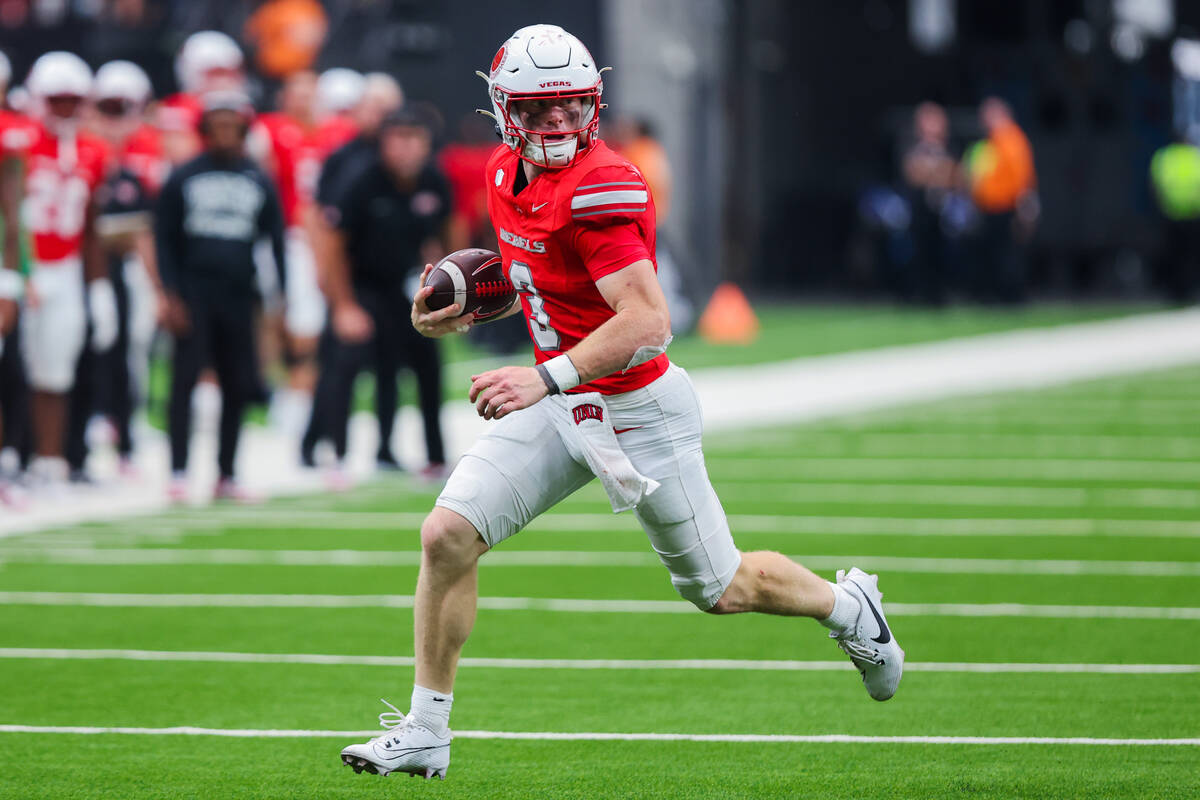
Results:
16 133
209 215
339 92
286 144
208 61
122 92
576 229
65 167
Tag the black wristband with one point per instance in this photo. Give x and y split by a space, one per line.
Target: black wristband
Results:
551 386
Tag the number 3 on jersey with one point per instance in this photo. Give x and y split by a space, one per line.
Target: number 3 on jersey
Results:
544 336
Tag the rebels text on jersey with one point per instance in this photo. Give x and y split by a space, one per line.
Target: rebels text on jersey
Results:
61 175
563 232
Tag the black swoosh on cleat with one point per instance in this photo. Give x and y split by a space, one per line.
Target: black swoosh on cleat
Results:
885 635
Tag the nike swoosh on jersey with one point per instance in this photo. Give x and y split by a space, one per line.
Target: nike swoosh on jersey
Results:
626 430
539 206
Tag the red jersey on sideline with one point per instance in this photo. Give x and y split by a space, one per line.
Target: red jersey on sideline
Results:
17 133
59 182
297 155
142 154
561 234
333 132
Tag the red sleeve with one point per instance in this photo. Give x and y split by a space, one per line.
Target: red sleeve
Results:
606 250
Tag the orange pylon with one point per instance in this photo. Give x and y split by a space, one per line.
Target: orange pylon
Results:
729 319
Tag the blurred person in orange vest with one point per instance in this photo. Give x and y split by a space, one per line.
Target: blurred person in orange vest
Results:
634 139
287 36
1002 182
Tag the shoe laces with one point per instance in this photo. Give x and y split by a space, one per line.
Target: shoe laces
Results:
860 653
392 719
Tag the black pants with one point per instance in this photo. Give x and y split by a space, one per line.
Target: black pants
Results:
221 336
103 383
394 345
14 398
1179 268
1000 275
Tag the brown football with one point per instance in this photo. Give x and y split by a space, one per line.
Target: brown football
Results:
474 278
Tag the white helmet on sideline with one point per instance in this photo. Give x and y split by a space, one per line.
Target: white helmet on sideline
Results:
123 80
544 61
339 89
59 73
203 52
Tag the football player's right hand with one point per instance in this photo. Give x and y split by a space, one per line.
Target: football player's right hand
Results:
436 324
351 323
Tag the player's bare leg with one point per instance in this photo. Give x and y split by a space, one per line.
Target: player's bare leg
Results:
443 615
852 609
447 589
771 583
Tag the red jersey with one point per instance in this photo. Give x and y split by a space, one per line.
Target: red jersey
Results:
296 151
333 132
465 166
142 154
561 234
179 113
60 177
16 134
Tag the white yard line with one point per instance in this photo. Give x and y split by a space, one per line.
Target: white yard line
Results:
716 664
571 605
547 736
731 469
869 443
580 558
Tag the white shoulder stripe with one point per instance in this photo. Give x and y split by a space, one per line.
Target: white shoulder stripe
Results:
607 198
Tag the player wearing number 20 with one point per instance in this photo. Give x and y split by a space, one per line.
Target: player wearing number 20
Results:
576 229
64 168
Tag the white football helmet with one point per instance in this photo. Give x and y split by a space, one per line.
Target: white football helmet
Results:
544 61
59 73
123 80
339 89
5 71
203 52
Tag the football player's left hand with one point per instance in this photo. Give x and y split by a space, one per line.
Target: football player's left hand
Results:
499 392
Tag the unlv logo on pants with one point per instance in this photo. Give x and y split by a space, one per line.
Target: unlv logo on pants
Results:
588 411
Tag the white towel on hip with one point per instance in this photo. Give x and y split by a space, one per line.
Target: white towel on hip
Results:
587 431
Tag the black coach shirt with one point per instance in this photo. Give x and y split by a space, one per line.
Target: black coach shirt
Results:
210 214
386 224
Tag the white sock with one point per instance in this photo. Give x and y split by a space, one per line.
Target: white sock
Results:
845 610
431 709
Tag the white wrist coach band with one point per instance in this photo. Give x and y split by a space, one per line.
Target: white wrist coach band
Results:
12 284
563 372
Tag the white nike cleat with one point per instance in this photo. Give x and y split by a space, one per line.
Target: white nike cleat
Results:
408 746
869 642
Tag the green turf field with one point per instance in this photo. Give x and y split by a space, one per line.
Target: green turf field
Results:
1039 555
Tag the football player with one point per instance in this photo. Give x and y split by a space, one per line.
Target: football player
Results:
286 144
65 166
16 133
122 92
576 229
208 61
